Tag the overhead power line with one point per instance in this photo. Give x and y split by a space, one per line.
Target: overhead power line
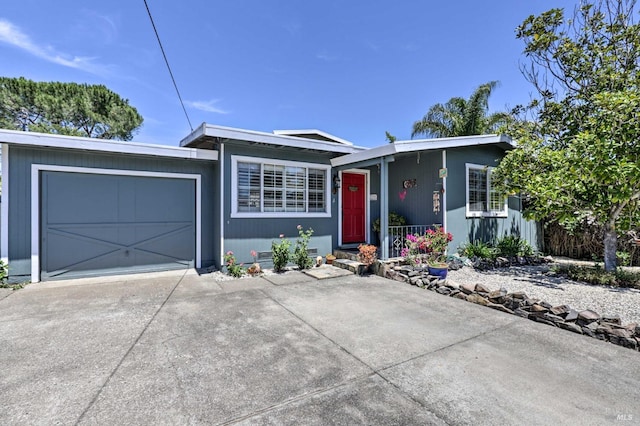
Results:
166 61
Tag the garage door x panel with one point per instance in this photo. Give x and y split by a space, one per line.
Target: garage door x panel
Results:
96 223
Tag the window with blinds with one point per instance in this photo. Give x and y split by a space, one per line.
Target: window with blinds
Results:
482 199
267 187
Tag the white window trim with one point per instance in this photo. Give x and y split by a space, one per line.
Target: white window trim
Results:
495 213
35 204
235 159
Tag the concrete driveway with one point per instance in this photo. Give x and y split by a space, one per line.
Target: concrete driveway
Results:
178 348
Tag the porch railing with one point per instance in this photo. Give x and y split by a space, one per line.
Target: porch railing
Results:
398 236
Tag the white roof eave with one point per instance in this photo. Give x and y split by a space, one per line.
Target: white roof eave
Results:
101 145
266 138
420 145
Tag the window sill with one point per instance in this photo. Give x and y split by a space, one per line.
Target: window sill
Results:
501 215
277 215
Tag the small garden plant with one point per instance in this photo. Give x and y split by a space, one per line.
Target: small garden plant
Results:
233 268
598 276
301 252
367 254
507 246
430 247
280 253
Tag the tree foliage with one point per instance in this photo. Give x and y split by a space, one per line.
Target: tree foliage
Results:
461 117
66 108
577 156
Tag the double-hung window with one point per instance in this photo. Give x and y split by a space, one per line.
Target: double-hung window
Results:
482 198
277 188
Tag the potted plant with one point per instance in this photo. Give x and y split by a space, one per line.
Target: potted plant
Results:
330 258
438 269
429 248
394 220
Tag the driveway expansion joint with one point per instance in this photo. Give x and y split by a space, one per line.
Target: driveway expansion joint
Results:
133 345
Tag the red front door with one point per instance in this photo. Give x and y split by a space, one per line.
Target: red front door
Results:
353 208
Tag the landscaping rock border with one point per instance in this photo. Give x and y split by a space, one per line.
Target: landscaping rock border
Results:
586 322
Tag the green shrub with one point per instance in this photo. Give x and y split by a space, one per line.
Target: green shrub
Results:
4 272
301 252
598 276
477 249
512 245
280 253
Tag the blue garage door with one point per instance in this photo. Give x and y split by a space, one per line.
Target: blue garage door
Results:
95 224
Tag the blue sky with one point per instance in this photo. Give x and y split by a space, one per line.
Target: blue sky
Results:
354 69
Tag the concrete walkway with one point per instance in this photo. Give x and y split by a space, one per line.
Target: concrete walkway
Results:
178 348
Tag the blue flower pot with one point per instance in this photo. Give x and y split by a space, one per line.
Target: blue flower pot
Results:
438 272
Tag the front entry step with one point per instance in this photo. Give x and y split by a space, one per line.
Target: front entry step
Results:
351 265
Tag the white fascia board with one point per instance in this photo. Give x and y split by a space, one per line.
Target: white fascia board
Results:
446 143
92 144
312 131
420 145
266 138
381 151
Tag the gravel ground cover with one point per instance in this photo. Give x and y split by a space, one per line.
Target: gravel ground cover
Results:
541 283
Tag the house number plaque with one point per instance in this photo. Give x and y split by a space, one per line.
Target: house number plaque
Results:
353 188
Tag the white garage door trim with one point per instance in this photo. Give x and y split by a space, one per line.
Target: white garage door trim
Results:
35 203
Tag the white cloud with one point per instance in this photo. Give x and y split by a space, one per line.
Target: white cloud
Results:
14 36
207 106
325 56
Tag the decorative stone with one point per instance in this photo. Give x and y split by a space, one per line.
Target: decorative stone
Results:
519 295
414 280
461 295
620 332
602 329
588 316
481 288
521 313
570 326
545 304
498 296
452 285
500 308
612 319
593 326
443 290
561 310
538 308
477 299
399 277
553 318
254 269
572 315
413 273
588 332
468 288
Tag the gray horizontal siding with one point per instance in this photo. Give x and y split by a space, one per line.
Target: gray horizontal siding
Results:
486 228
21 159
243 235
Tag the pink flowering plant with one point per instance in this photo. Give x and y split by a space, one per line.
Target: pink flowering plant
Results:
233 268
430 247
